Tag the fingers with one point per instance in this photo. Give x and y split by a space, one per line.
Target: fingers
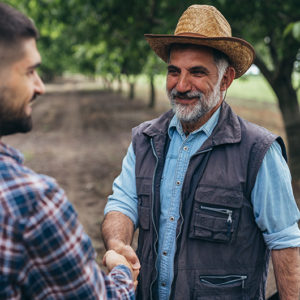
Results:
131 256
135 284
130 259
112 259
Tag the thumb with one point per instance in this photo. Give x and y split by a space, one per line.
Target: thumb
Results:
131 256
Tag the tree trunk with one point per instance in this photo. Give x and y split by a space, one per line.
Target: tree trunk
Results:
131 90
289 107
280 80
120 86
152 92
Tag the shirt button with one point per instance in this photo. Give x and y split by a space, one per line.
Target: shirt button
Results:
165 253
172 218
178 182
163 284
185 148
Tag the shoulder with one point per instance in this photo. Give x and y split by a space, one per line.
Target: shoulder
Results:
254 130
153 126
22 190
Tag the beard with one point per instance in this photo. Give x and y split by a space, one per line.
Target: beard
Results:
192 113
13 121
17 125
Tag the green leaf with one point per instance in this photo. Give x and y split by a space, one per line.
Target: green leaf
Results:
296 31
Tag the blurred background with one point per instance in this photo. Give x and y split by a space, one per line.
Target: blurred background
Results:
102 79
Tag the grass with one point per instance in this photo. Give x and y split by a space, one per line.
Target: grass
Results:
252 87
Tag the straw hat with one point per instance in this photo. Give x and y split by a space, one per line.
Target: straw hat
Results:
204 25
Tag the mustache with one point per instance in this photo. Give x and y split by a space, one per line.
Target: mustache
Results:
187 95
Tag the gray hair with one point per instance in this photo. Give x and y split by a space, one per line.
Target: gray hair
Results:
222 62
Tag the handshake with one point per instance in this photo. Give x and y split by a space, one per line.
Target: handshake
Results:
123 255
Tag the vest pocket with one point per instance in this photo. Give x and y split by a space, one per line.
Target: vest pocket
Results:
215 214
143 185
217 287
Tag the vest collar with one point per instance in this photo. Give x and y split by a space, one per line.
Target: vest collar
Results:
160 125
228 129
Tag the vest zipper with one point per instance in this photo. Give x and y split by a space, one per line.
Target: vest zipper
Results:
180 208
236 278
156 238
180 212
221 211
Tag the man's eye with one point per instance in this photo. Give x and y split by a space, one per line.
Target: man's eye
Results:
31 72
172 71
198 73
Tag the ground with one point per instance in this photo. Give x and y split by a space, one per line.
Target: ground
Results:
80 138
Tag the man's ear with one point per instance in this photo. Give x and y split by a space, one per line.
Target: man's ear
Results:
227 78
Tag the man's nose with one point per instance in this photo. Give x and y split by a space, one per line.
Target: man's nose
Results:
39 85
183 84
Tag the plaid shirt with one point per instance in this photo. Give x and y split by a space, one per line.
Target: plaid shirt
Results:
44 251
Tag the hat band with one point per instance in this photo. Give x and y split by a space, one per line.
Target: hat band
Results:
191 34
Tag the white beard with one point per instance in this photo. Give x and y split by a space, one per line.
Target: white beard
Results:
192 113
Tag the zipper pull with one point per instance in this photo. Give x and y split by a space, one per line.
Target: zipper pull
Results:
229 219
229 222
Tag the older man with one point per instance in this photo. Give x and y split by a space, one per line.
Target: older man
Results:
209 191
44 252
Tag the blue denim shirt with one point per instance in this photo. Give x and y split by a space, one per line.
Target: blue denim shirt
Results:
271 196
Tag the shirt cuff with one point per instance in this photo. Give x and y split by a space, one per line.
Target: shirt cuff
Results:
123 269
125 212
286 238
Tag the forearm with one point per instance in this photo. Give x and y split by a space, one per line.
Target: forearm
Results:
117 228
286 264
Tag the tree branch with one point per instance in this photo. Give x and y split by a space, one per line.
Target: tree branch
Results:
263 68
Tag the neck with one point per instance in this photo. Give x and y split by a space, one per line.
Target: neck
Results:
189 127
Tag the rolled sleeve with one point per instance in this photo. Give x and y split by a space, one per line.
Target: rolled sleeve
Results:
124 198
275 210
282 239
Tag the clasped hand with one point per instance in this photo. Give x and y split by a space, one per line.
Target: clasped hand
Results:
124 256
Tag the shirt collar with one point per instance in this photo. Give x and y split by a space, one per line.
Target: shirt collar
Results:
12 152
207 128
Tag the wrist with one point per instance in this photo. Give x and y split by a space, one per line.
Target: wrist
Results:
115 244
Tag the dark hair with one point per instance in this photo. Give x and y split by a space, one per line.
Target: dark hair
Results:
15 26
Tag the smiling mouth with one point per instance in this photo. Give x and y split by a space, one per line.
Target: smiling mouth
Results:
186 100
32 99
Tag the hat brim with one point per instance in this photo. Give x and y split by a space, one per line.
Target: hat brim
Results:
240 53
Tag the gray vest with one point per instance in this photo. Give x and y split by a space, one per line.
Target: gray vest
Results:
220 251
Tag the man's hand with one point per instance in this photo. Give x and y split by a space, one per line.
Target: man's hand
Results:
112 259
127 251
117 233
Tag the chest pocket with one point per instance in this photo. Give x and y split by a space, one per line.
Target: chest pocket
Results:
216 213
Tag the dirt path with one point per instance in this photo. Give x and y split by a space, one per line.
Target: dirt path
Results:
80 139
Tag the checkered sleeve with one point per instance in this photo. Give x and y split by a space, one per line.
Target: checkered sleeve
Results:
48 254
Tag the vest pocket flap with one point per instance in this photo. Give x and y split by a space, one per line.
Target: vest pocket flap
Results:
211 223
211 228
219 196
